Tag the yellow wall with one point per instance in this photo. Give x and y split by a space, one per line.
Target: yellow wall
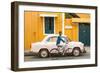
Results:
84 18
27 30
81 20
34 27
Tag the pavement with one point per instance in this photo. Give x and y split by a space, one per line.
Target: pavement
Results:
30 57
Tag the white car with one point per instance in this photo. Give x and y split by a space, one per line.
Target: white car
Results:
48 46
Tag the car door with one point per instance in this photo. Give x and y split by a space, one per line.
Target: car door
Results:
51 42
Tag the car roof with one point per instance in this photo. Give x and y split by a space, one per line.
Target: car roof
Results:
52 35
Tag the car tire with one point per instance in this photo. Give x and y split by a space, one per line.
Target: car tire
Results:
43 53
76 51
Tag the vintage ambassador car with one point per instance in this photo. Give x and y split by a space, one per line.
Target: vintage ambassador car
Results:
48 46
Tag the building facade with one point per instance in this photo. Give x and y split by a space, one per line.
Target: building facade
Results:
40 24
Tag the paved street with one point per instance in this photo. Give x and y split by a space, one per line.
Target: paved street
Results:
83 56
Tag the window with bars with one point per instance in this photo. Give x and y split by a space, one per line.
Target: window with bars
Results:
49 25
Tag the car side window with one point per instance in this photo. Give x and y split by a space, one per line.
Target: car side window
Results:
52 39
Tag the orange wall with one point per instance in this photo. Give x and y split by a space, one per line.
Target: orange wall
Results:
72 33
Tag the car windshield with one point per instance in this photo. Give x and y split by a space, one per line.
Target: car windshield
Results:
52 39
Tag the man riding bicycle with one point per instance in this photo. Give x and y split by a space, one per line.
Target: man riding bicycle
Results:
59 39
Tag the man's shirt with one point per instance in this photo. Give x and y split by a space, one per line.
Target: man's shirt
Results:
59 39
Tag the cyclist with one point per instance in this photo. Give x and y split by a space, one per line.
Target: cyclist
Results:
59 39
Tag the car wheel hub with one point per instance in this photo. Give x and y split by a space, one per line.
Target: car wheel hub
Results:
76 52
44 54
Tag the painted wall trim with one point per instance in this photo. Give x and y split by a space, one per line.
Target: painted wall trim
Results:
68 27
47 15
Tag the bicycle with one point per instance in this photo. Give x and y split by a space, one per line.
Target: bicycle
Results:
60 50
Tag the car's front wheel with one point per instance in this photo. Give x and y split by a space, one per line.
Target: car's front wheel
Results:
76 52
44 53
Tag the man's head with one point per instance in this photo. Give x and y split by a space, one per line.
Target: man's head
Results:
60 33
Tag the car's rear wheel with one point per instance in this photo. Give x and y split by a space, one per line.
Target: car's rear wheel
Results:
44 53
76 51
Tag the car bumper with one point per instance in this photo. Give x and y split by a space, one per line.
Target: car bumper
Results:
84 51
